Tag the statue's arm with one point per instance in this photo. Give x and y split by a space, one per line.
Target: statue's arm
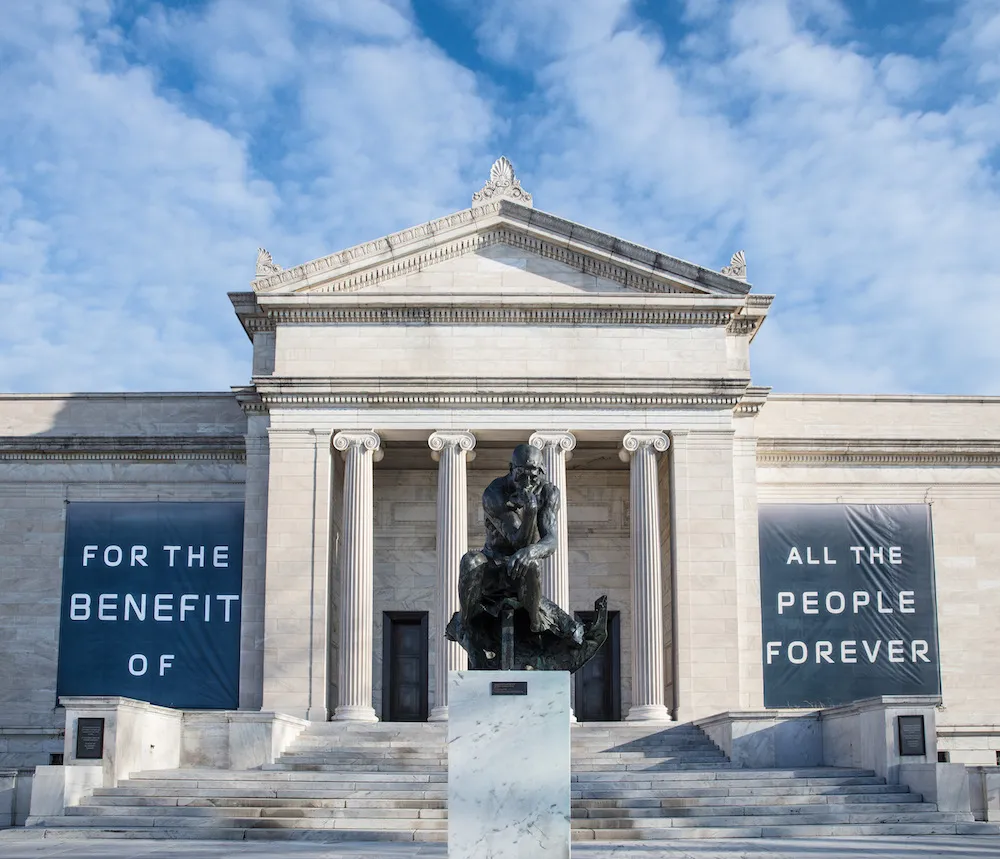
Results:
548 508
508 521
548 522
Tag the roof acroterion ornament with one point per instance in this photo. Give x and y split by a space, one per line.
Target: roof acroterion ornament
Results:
265 265
737 266
502 184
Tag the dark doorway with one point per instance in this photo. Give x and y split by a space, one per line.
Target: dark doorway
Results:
598 683
404 666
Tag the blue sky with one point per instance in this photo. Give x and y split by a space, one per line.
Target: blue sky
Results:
851 148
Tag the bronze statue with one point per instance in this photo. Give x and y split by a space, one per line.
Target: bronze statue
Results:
504 621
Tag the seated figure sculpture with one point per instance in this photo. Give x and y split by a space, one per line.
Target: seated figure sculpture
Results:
504 579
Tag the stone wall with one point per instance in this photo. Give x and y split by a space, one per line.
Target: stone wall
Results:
58 449
941 451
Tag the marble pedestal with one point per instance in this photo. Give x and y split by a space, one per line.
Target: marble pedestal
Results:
508 766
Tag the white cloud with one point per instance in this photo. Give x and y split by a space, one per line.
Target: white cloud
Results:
872 219
129 206
142 168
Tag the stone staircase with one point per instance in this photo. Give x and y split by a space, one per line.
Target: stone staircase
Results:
388 782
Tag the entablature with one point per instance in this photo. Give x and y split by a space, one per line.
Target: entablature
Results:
402 393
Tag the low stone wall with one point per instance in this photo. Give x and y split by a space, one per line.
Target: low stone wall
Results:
984 792
139 736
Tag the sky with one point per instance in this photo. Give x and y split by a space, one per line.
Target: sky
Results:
850 147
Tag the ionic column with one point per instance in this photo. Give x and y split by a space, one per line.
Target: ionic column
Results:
452 450
357 576
556 449
641 448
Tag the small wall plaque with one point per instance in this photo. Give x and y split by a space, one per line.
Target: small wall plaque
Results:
509 687
90 739
911 735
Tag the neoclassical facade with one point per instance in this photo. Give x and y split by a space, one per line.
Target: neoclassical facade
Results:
390 382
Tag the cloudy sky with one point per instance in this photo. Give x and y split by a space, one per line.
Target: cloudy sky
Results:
852 147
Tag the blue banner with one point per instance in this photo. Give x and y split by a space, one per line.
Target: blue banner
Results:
847 601
151 602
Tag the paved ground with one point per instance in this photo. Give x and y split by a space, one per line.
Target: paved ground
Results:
21 845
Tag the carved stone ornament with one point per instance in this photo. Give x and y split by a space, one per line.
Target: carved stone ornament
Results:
365 440
502 183
463 441
658 441
265 265
737 266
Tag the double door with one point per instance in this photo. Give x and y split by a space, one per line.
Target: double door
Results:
404 666
598 684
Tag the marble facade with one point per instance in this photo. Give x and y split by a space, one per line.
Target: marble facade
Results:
389 383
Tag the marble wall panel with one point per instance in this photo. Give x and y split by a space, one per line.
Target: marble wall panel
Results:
610 352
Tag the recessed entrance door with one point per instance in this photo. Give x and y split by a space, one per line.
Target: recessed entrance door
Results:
404 666
598 683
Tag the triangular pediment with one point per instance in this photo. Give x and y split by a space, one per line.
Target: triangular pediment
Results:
503 248
500 270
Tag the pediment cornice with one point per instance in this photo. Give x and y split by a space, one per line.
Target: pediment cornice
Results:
500 222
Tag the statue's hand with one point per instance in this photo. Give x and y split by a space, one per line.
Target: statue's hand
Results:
527 500
520 562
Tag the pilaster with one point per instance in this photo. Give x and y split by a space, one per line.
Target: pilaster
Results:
254 564
296 613
706 630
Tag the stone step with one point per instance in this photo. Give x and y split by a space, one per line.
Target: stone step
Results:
826 774
797 811
786 831
142 811
684 800
185 801
721 821
276 777
246 822
415 791
234 834
387 767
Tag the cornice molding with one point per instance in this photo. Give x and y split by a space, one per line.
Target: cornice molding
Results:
581 247
526 393
752 401
490 315
249 400
877 452
123 449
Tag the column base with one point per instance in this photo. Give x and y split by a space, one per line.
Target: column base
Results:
648 713
438 714
354 714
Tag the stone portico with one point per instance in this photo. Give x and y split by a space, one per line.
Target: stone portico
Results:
498 325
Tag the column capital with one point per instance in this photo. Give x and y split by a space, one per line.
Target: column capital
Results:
369 440
565 440
641 438
440 439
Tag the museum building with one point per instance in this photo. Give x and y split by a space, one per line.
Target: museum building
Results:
293 546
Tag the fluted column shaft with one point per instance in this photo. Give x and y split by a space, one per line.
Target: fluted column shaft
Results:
451 450
357 576
556 448
647 588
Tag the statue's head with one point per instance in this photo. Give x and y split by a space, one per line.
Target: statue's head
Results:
526 467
